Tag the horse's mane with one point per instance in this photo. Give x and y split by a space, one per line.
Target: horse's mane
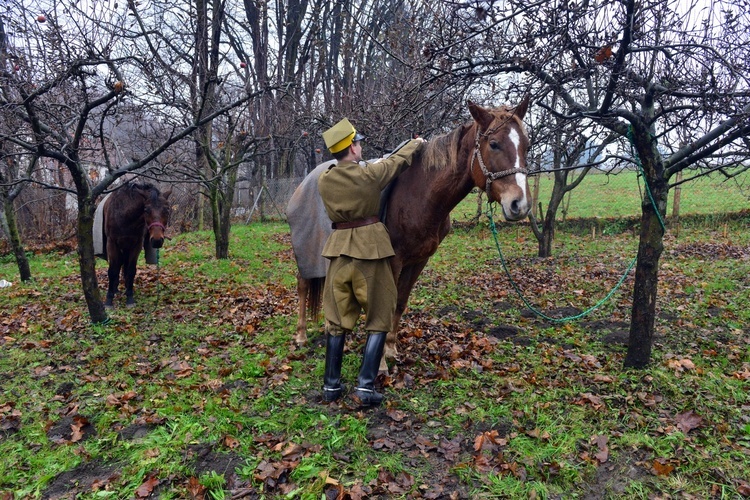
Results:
442 151
142 186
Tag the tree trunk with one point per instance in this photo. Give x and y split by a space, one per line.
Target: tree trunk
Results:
87 260
222 235
8 217
646 280
222 209
547 235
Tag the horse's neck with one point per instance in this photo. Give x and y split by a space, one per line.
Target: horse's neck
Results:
131 214
449 185
433 194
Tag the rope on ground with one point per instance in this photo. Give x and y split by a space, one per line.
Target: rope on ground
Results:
490 213
588 311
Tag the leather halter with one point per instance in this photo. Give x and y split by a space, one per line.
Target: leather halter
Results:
490 177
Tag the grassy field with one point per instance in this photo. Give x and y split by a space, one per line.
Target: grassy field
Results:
619 195
198 392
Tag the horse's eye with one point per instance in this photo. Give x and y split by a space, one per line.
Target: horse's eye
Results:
495 145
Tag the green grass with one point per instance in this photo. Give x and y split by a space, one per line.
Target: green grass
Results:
619 195
206 362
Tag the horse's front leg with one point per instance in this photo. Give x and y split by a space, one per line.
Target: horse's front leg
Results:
129 276
407 277
303 287
390 351
113 276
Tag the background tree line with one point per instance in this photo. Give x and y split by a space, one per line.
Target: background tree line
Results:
205 93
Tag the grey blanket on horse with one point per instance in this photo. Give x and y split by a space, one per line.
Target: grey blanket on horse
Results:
100 240
100 237
310 225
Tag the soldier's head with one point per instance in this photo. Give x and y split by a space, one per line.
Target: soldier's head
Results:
343 141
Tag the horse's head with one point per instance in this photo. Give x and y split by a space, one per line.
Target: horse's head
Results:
156 212
498 164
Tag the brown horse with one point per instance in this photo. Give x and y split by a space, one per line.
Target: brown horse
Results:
489 153
135 217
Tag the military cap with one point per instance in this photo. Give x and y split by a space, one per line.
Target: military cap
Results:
341 136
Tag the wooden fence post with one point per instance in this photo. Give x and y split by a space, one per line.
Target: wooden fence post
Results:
676 204
535 196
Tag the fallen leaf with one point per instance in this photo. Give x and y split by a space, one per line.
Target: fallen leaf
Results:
687 364
196 489
486 440
230 442
396 415
688 421
591 399
601 442
536 433
334 491
76 434
147 487
662 467
293 450
182 369
328 479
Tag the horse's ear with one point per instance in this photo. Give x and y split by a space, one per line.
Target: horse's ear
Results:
167 193
483 117
523 107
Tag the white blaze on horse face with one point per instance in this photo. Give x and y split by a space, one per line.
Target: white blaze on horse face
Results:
520 178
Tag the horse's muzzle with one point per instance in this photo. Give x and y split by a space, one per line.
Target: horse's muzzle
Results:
156 232
516 210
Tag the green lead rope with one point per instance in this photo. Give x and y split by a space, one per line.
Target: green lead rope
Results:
490 213
645 179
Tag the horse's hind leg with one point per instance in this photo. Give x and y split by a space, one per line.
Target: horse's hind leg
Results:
303 287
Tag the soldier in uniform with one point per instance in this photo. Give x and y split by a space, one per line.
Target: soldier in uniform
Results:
359 275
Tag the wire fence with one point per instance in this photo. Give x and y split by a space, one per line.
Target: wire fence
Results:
45 215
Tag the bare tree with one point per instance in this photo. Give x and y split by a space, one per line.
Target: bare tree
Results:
12 180
567 150
12 176
81 65
639 69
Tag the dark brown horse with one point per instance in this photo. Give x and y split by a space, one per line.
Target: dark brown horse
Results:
488 153
135 217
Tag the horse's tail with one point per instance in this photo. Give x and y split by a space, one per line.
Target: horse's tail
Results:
314 297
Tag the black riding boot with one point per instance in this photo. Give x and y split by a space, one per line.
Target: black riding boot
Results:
365 391
333 389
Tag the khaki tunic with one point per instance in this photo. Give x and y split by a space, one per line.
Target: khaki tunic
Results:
360 276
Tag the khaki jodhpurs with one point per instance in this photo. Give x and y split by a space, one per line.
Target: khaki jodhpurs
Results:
353 285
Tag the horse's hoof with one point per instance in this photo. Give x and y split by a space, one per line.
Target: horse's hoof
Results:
130 305
109 306
300 339
383 368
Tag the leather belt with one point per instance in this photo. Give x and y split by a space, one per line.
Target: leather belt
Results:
356 223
